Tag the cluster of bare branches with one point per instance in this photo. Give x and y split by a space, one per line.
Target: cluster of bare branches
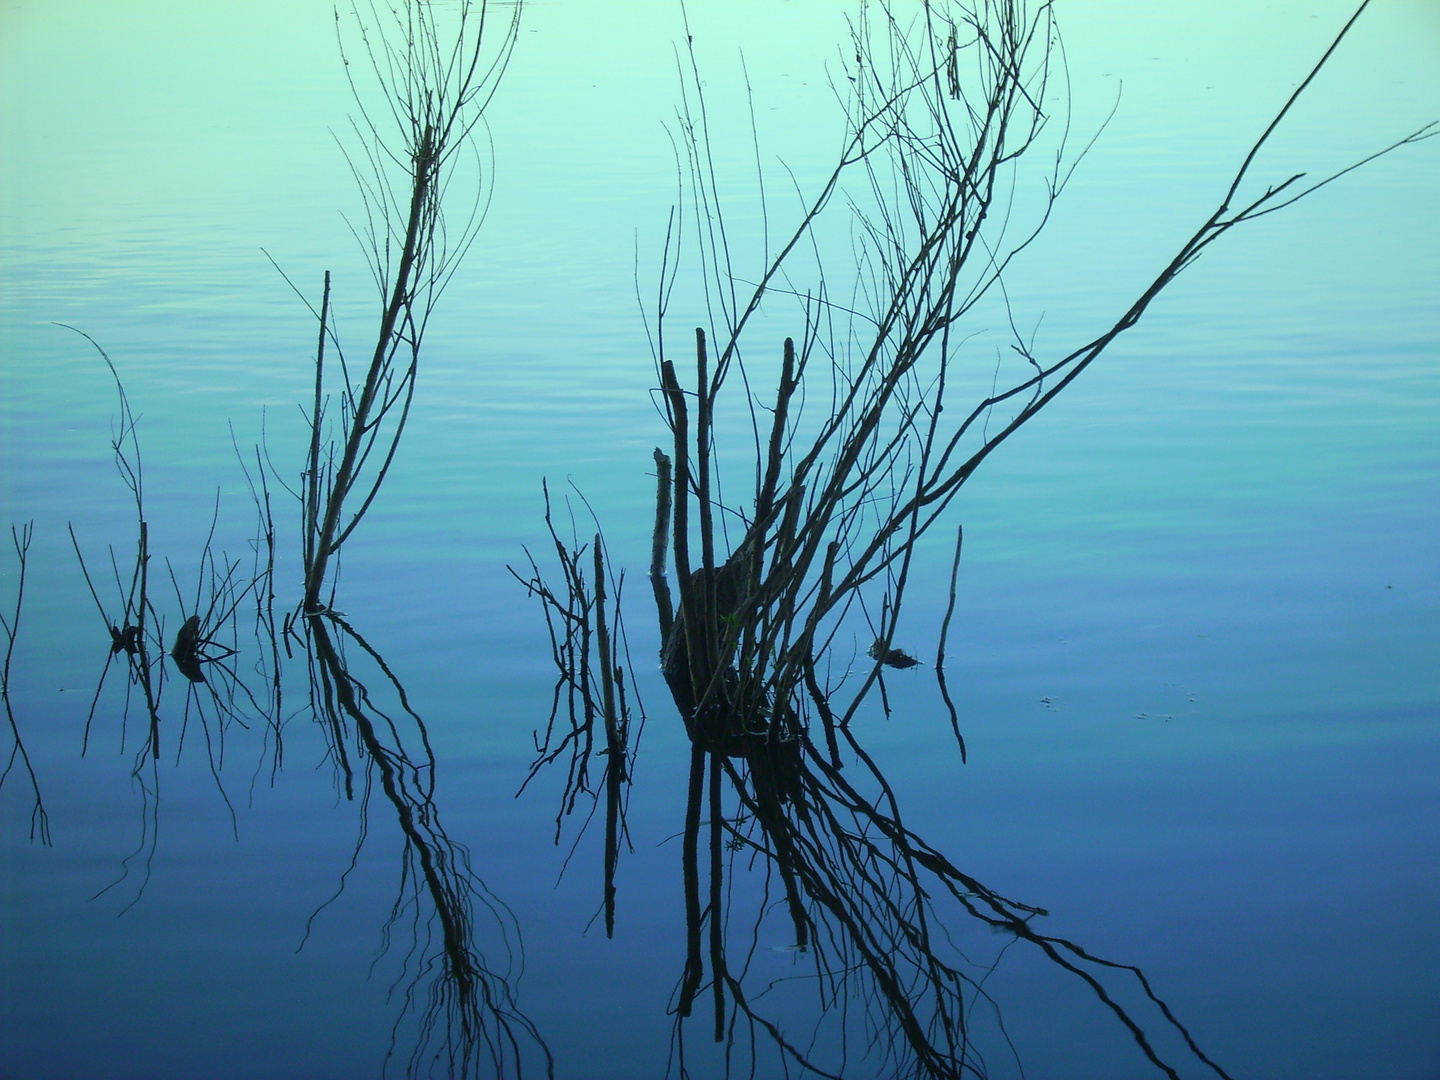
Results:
216 697
133 632
435 70
435 77
778 610
587 643
435 73
856 454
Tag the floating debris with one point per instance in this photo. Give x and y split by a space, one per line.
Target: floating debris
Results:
127 640
186 651
896 658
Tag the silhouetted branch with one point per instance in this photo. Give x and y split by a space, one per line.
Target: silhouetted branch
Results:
39 820
591 656
942 110
435 78
468 1021
206 639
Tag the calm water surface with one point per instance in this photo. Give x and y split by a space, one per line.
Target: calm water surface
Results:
1197 648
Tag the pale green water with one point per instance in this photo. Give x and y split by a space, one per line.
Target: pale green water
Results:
1227 526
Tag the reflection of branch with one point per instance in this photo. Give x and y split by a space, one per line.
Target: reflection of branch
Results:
137 639
587 640
39 819
940 647
468 1016
942 110
129 633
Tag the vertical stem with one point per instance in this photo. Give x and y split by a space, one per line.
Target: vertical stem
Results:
680 425
709 609
312 496
765 502
717 925
144 557
615 762
659 540
690 858
360 421
689 602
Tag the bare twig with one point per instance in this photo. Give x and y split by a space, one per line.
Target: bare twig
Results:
39 820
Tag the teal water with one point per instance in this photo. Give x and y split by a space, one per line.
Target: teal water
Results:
1197 648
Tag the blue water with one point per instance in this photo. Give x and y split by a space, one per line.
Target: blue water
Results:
1197 644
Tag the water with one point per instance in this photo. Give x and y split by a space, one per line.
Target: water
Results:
1195 650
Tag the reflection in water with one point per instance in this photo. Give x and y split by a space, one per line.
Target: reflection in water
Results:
587 640
435 82
855 455
760 600
39 820
456 1007
467 1016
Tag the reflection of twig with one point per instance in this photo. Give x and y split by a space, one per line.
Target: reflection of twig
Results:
141 671
941 111
587 639
940 647
468 1014
39 819
268 631
137 638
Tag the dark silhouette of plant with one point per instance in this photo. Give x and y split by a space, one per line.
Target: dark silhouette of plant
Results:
435 71
137 640
133 631
855 455
587 642
465 1012
39 820
435 78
